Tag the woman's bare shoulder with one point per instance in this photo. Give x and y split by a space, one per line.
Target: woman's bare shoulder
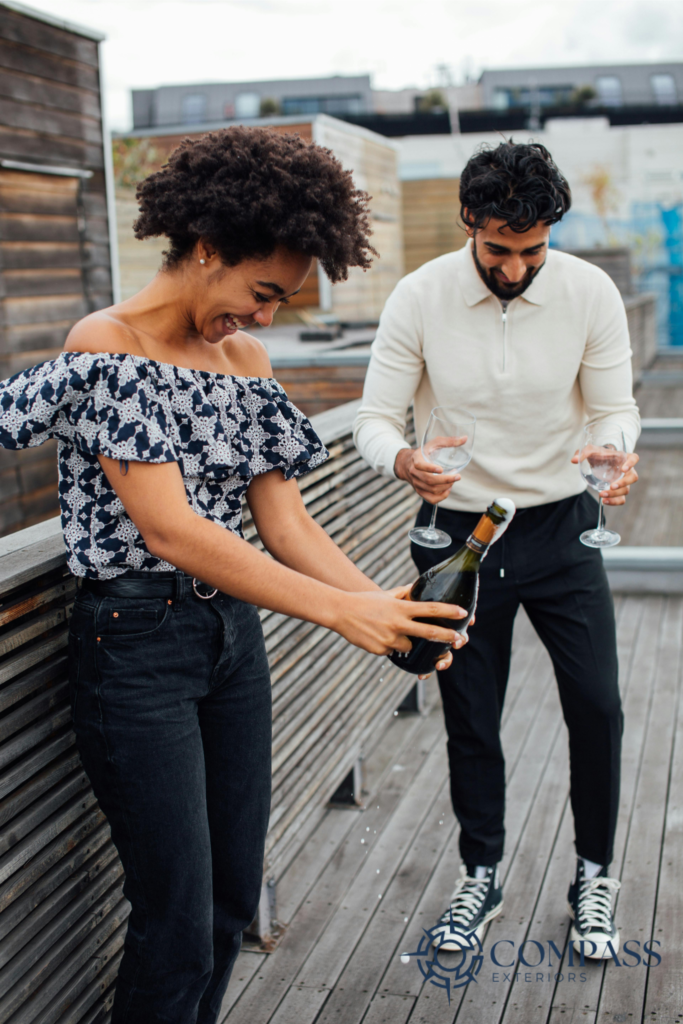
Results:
247 356
102 332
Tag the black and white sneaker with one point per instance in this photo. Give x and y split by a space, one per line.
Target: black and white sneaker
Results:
474 902
589 903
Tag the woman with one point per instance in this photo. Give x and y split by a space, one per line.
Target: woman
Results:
166 414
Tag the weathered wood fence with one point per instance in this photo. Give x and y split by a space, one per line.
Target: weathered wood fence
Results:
62 913
55 258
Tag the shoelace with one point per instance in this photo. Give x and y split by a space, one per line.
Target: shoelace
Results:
595 902
467 898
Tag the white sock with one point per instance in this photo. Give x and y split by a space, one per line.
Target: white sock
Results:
480 872
591 869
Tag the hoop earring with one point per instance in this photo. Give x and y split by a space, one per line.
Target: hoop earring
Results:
202 261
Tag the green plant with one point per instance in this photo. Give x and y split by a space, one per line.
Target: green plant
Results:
431 102
269 107
582 95
134 159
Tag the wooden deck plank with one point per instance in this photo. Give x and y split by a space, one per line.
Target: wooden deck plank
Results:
389 1009
269 986
548 707
639 678
472 1001
330 826
550 919
522 881
623 988
531 767
518 733
664 998
549 922
381 941
300 1004
404 979
246 966
364 899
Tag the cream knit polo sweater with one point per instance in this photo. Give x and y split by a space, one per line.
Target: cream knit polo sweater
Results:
559 358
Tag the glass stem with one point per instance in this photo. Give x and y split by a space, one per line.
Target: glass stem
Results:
601 515
432 522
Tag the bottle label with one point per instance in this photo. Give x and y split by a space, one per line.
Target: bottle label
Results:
482 535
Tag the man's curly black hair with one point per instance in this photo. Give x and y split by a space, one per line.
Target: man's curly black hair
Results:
518 183
249 190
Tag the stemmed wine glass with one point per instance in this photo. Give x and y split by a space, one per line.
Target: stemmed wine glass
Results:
601 460
448 440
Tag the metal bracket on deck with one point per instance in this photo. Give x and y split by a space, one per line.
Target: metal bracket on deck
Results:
349 793
415 699
265 931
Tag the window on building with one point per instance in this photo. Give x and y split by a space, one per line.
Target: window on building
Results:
609 90
322 105
194 108
525 96
247 104
301 105
664 88
343 105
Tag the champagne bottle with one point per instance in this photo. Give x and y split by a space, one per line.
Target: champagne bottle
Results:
454 581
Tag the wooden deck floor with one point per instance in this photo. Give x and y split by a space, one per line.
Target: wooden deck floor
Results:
367 882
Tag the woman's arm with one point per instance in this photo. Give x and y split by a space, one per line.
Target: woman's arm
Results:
378 621
292 536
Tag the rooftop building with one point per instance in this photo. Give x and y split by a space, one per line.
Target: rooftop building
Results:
227 101
507 99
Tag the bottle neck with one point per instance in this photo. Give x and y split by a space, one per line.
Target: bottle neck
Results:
482 535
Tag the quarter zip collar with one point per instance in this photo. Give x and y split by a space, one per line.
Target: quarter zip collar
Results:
505 305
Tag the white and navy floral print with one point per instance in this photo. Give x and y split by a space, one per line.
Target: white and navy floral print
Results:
221 430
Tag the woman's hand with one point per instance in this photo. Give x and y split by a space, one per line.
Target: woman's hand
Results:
381 621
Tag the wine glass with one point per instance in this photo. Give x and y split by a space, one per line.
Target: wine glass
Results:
601 460
448 440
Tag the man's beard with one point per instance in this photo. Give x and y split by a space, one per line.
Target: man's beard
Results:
500 290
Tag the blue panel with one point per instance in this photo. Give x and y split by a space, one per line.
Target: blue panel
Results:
654 234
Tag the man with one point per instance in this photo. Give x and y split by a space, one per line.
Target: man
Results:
535 343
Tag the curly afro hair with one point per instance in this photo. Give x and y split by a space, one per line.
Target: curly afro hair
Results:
515 182
249 190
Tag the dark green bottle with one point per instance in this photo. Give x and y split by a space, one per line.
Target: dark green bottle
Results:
454 581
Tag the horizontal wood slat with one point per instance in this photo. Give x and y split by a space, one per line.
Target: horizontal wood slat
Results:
51 68
27 88
37 35
62 913
54 238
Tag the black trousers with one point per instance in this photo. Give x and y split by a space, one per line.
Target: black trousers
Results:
172 712
563 587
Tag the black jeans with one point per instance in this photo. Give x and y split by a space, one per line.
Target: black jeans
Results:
563 587
172 711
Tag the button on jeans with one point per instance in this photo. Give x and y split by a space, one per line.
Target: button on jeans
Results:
172 711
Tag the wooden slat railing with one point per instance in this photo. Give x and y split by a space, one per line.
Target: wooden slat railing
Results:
62 912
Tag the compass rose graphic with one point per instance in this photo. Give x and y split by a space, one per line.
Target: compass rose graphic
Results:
446 975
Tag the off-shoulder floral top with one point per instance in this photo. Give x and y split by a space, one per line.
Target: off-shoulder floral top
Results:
221 430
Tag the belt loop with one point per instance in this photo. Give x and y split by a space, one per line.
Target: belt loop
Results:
179 589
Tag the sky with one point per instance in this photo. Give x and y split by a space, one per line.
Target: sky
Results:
398 42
